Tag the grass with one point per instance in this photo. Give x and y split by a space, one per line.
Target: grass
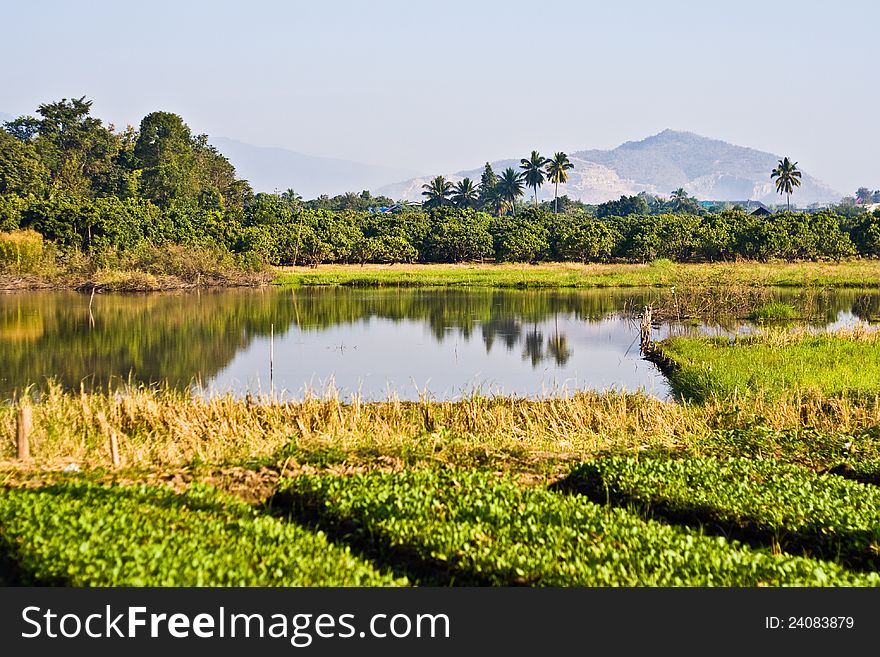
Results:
476 528
775 364
765 501
168 429
773 312
88 535
861 273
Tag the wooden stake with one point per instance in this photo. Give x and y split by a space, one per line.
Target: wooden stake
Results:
114 449
25 423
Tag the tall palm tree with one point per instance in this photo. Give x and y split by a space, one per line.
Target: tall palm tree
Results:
510 187
557 172
533 172
787 178
438 192
465 194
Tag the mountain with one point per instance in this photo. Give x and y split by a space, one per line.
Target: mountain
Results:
709 169
277 169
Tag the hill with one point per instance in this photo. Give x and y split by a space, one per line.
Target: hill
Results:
706 168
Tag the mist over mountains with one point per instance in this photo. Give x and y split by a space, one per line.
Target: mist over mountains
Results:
705 168
277 169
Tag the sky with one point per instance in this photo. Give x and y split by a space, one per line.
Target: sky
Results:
440 87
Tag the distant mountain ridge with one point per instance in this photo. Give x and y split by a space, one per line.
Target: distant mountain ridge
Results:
709 169
277 169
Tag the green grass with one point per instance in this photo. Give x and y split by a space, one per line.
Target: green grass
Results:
88 535
773 312
663 273
765 501
479 528
832 363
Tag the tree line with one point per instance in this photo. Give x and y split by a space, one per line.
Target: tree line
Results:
86 188
499 194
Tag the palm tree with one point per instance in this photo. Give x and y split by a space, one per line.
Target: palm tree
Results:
291 198
533 169
679 198
787 178
465 194
510 187
557 172
438 192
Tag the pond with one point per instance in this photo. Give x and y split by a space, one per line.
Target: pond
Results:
378 344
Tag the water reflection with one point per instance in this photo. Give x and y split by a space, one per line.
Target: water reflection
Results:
444 343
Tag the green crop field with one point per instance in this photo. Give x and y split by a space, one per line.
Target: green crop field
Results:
87 535
765 501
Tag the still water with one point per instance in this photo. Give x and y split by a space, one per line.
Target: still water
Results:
379 344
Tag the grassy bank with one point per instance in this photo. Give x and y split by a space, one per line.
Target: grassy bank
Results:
856 273
776 363
179 274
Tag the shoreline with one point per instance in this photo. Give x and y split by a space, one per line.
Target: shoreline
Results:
856 274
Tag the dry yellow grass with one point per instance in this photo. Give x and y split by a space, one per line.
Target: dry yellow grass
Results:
167 429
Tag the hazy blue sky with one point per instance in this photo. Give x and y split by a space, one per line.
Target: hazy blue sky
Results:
442 86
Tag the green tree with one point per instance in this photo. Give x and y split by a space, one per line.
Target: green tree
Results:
864 195
292 199
24 128
558 167
437 192
21 170
510 187
533 172
164 152
488 183
76 148
465 194
787 178
519 239
682 202
624 206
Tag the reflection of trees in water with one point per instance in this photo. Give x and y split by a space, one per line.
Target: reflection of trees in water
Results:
867 307
155 338
533 349
508 328
498 315
176 338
